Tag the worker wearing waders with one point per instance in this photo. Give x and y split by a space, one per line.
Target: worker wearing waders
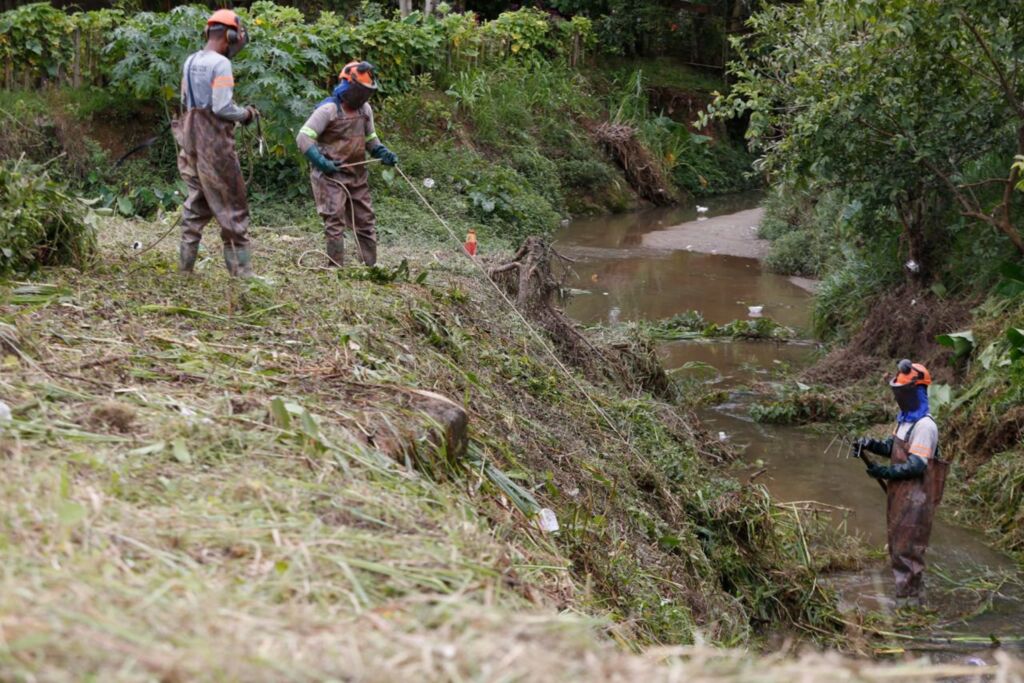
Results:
914 480
205 134
335 139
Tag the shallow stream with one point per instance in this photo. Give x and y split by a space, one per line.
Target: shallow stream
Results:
656 263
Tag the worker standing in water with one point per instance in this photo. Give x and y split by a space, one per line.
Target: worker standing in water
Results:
915 479
207 159
335 139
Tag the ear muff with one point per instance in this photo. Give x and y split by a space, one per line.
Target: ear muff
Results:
231 34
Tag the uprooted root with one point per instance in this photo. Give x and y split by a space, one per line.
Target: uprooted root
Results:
528 279
642 172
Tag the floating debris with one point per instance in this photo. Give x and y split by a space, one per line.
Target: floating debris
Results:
755 311
702 209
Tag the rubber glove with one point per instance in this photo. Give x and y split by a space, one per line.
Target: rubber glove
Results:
911 469
386 156
875 446
317 158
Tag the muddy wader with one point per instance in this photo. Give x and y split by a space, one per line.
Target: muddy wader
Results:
208 162
909 515
336 136
914 480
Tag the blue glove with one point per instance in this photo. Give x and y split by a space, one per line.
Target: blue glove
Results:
387 157
317 158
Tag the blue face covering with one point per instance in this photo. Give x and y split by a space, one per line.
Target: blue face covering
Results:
920 411
335 95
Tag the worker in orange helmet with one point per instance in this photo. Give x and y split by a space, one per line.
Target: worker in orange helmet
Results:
207 159
915 480
335 139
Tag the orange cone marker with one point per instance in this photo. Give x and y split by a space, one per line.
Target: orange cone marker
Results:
470 245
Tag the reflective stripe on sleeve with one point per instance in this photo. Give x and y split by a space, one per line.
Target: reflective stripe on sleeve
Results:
921 450
224 82
308 132
373 137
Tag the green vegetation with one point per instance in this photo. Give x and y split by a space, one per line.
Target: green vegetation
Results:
691 325
40 223
494 111
893 134
253 449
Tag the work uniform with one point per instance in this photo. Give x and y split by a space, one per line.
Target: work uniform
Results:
207 159
912 503
343 199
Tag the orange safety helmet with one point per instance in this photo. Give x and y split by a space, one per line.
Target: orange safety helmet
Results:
225 17
359 72
237 36
911 373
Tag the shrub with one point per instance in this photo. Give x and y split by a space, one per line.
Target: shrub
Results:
796 253
40 223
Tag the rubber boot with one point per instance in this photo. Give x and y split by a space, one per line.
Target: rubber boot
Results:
187 257
335 252
367 252
238 261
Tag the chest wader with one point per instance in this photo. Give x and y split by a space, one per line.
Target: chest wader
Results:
208 164
343 200
909 516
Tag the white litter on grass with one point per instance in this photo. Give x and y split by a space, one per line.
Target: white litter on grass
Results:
755 311
548 520
702 209
723 437
136 245
428 183
913 266
5 413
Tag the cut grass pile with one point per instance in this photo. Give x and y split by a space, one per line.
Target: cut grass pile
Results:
192 490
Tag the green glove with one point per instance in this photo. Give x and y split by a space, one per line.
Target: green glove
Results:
883 448
317 158
911 469
386 156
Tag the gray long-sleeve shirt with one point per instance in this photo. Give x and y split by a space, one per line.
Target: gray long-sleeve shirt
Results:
208 83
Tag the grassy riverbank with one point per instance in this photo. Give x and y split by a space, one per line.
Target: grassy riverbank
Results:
159 508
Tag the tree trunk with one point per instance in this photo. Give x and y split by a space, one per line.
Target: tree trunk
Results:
405 7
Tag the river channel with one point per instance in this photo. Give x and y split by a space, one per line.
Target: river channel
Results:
653 264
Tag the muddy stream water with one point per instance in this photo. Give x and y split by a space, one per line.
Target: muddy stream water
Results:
653 264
